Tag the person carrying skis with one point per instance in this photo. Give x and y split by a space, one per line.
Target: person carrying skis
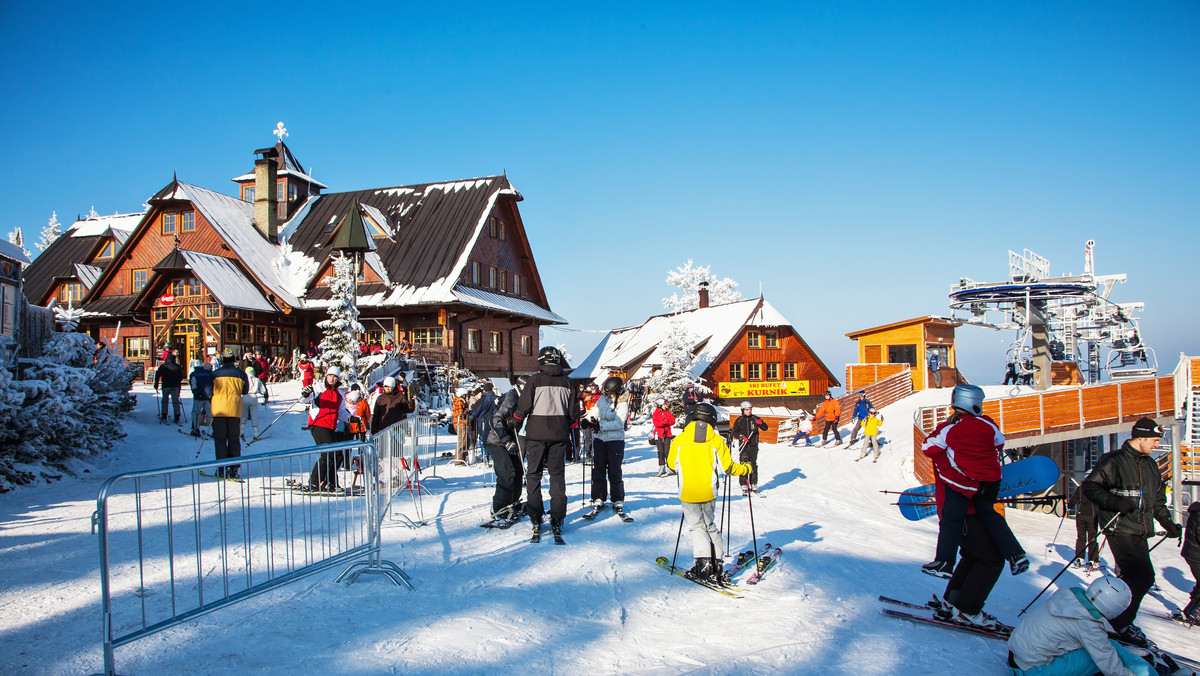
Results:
229 383
663 421
965 450
1068 635
745 430
1191 553
607 422
503 444
1086 530
170 376
200 381
859 416
1127 486
803 429
829 411
548 407
871 434
694 454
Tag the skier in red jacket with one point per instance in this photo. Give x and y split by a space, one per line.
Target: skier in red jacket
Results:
966 456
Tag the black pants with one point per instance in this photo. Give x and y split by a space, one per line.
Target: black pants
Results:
508 476
1085 538
227 441
607 457
550 457
1132 556
325 469
664 449
977 570
954 513
831 425
1195 566
749 453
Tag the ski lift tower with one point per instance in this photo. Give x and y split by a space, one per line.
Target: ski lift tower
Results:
1068 318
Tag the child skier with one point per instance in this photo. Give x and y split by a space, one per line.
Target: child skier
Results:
871 426
803 429
693 453
965 450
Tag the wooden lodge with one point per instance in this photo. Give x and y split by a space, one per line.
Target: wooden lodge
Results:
885 350
746 350
449 269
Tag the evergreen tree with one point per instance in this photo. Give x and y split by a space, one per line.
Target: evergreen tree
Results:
50 233
673 377
340 345
18 238
688 278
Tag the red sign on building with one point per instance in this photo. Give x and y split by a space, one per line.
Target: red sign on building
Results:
166 299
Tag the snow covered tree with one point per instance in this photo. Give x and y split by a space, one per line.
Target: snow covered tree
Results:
340 345
50 233
673 377
18 238
688 278
68 317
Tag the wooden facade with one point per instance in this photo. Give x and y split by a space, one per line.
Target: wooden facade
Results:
770 355
911 342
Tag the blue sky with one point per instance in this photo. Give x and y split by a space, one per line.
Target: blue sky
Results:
855 159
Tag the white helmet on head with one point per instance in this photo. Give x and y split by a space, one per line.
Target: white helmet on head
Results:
334 371
1110 595
746 404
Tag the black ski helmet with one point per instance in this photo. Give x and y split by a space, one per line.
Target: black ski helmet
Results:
550 355
705 413
613 386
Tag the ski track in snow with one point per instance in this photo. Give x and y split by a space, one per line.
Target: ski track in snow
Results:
488 599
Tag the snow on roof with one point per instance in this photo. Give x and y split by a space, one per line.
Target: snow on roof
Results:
284 172
226 281
371 258
87 274
234 221
13 251
714 327
91 227
286 229
496 301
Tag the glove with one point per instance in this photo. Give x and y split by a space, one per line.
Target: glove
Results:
511 447
306 392
1172 529
1123 505
354 420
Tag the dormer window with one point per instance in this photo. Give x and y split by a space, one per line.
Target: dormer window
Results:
189 222
70 292
375 229
107 251
168 224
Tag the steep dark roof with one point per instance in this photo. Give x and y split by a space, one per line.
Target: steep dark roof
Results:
57 262
431 225
112 305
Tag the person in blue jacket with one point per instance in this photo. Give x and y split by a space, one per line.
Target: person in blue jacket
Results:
861 408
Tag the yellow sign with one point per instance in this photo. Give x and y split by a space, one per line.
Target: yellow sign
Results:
780 388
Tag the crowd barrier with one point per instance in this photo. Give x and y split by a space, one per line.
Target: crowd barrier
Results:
179 542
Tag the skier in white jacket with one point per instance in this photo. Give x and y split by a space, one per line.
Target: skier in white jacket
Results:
1068 635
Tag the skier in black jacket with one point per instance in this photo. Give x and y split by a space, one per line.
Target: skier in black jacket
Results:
1127 486
1191 553
501 443
170 376
745 430
548 406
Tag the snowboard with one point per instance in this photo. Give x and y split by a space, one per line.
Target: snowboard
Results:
1036 473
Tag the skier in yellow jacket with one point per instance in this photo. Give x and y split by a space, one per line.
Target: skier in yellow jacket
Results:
695 454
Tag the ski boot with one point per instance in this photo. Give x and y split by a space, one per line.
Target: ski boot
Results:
701 571
537 530
718 576
942 569
556 527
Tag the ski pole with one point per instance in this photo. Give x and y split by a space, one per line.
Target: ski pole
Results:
753 533
1055 540
1052 581
1164 537
285 412
678 536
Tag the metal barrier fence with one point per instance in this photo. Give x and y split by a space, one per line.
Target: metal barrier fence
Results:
179 542
406 449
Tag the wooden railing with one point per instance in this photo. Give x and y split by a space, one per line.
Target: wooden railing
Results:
859 376
1064 411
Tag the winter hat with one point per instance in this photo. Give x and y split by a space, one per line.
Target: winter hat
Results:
227 356
334 371
250 370
1146 428
389 382
354 396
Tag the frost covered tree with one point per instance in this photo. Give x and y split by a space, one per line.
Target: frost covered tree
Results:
50 233
339 347
18 238
672 378
688 278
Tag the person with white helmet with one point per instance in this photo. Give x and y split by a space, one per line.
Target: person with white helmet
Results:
1068 634
965 450
745 430
804 428
664 421
327 415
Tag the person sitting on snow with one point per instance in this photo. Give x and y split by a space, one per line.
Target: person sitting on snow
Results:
1068 635
693 454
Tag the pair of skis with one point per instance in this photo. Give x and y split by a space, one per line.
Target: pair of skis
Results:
596 509
768 559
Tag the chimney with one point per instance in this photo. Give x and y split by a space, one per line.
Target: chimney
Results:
266 210
703 291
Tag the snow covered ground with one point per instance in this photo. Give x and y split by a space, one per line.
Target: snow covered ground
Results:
489 600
